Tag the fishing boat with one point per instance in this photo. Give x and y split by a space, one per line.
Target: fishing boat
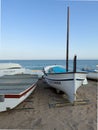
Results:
11 69
14 68
91 73
16 84
14 89
61 78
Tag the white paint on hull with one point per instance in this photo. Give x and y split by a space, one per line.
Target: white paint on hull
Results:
67 82
10 103
93 75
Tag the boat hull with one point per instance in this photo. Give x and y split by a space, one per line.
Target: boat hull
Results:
92 75
11 101
14 89
67 82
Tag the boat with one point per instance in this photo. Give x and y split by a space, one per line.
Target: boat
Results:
92 74
14 89
11 69
16 84
15 68
62 78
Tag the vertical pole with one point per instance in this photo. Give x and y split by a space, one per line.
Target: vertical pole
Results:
67 46
74 64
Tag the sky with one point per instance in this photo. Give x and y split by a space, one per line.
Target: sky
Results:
36 29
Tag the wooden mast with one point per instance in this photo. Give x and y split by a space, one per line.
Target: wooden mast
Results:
67 46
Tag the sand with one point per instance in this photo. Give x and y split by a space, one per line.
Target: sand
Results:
39 111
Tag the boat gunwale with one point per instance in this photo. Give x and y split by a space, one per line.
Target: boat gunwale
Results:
20 94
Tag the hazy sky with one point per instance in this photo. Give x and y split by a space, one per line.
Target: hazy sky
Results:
36 29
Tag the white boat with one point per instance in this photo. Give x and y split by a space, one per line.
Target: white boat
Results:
61 79
92 74
11 69
16 84
68 82
14 68
14 89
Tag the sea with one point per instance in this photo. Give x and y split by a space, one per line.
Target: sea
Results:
39 64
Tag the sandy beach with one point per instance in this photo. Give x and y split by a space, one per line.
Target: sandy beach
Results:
42 110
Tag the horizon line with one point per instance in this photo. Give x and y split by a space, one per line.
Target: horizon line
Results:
48 59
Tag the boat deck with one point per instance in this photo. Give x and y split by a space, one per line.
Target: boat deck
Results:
15 84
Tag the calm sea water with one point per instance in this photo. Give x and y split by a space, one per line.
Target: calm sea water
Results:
39 64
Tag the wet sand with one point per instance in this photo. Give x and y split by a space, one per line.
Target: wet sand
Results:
39 112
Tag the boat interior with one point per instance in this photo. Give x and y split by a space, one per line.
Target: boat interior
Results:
15 84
